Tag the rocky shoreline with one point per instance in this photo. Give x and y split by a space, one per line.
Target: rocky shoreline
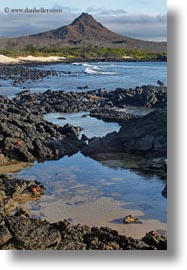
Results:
19 73
113 59
145 136
26 136
19 231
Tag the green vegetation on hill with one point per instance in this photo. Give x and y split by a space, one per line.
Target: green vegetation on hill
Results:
85 53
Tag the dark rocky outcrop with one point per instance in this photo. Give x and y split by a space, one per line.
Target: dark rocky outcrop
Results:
146 136
154 239
111 115
24 233
20 73
147 96
101 102
57 101
26 136
121 104
32 234
120 115
12 189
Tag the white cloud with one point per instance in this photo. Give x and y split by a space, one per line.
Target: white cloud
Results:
143 26
17 24
102 11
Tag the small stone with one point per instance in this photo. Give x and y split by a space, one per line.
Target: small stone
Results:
130 219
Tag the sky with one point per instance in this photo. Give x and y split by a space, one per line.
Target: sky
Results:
142 19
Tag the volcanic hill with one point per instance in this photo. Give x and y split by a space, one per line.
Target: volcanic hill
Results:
84 31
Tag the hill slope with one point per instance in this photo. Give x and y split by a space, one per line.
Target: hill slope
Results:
84 31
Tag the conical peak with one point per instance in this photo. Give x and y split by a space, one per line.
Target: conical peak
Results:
86 18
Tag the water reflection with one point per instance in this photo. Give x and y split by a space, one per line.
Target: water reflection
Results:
78 180
98 191
91 126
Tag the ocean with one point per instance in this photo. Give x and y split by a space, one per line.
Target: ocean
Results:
99 75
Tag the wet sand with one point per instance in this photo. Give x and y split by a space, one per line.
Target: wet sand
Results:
13 167
101 212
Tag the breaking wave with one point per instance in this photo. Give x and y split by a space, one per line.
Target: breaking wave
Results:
86 65
92 71
77 64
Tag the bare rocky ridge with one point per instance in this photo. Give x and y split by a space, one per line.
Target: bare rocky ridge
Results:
84 31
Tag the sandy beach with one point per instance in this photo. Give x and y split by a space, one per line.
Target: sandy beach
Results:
9 60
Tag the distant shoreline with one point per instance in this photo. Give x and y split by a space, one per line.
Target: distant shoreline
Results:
58 59
112 60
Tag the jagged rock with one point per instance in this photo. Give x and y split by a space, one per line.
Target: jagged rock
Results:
69 129
5 235
33 233
147 95
154 239
139 136
26 136
12 188
111 114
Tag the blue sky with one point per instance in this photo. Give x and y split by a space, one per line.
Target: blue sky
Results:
143 19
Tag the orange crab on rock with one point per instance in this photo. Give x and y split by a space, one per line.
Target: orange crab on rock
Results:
154 233
35 190
18 143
